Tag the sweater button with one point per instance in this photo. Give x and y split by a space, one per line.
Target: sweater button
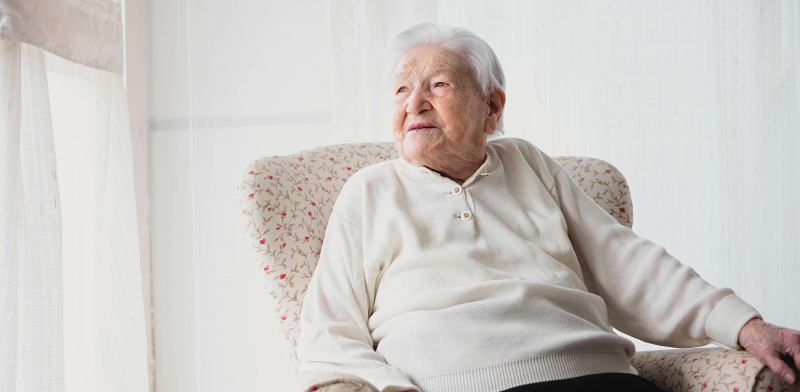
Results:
457 190
466 216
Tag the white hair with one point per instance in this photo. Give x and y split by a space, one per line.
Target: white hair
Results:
485 68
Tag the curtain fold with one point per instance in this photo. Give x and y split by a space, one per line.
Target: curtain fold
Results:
105 342
40 283
31 263
10 195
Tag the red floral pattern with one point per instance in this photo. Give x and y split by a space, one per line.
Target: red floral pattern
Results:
603 183
286 202
702 369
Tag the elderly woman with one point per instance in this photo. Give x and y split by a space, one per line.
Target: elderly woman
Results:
475 265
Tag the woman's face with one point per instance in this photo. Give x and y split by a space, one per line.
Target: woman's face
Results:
439 119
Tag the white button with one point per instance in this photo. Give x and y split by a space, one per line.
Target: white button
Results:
457 190
466 216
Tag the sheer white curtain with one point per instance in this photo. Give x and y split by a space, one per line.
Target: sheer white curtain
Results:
694 101
32 301
359 32
71 307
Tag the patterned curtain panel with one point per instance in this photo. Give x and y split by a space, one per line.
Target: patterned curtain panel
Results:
71 311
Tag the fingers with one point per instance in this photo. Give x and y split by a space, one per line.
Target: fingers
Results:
767 342
793 347
780 368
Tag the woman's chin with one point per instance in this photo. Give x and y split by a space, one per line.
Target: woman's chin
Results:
414 152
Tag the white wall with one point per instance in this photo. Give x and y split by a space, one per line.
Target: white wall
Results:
260 83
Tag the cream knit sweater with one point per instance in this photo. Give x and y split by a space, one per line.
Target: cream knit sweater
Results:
513 278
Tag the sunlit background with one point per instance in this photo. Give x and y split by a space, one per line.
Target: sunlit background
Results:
696 102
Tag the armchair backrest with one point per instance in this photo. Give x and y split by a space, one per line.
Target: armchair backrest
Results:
287 200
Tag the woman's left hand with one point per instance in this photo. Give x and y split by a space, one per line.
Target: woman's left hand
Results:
768 343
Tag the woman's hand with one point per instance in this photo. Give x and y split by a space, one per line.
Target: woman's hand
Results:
768 343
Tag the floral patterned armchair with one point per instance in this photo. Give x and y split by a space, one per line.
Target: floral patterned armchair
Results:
287 200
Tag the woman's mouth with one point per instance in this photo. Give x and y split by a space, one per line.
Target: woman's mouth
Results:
420 126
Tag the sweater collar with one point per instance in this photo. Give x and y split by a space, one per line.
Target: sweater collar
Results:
490 164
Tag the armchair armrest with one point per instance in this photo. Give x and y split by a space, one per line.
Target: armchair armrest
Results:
707 369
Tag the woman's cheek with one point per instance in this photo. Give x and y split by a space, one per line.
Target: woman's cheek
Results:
398 116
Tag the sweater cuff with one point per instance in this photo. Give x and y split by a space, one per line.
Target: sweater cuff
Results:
389 379
727 319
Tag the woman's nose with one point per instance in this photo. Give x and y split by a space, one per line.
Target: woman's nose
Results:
417 103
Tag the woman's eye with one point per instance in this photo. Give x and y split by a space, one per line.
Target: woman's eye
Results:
439 84
402 89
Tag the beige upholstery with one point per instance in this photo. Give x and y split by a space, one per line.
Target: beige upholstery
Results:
286 202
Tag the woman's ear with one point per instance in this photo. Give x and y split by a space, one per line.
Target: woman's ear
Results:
496 102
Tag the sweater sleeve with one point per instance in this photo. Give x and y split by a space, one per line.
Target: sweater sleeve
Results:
333 323
649 294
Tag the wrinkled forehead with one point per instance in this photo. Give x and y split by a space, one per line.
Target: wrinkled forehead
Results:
427 61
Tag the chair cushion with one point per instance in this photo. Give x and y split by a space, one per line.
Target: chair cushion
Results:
708 369
287 200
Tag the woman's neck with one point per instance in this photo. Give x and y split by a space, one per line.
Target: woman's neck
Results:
459 173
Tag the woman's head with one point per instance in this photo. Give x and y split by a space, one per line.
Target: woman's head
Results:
448 96
484 67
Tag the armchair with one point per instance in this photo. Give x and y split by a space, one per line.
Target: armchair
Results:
287 200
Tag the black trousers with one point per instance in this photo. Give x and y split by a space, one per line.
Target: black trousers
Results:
617 382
